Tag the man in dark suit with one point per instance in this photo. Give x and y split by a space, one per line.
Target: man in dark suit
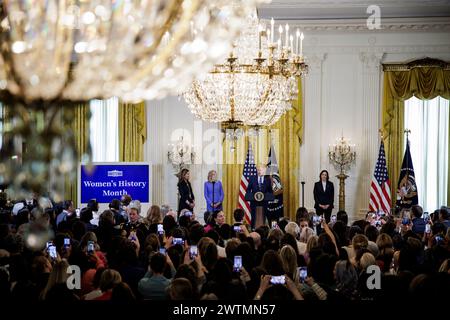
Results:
324 196
260 183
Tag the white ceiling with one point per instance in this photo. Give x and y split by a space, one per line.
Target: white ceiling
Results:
303 10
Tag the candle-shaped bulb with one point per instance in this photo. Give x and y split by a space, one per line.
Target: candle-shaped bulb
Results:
272 32
280 31
291 39
260 30
287 35
301 43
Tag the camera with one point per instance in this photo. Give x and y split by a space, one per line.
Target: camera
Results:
278 280
317 219
177 241
405 221
90 247
427 228
66 242
237 266
237 229
426 217
333 218
193 252
48 244
160 228
162 250
274 225
52 252
303 273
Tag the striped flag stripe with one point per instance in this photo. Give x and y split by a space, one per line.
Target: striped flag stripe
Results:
380 194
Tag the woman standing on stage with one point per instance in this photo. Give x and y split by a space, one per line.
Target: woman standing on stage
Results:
213 192
324 196
186 195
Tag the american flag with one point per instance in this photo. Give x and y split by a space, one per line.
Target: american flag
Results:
380 190
249 170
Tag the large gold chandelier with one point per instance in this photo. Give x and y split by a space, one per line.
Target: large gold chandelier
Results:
57 53
255 86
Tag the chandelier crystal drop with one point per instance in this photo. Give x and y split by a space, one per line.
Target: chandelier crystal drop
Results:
256 85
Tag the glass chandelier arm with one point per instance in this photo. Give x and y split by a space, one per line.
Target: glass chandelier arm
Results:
167 51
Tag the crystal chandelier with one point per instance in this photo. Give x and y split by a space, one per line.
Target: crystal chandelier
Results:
255 86
58 53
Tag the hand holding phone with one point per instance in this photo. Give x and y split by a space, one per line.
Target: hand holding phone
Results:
52 252
90 247
193 252
237 266
405 221
237 229
160 229
303 273
177 241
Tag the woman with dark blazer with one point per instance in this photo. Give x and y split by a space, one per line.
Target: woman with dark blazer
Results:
186 195
324 196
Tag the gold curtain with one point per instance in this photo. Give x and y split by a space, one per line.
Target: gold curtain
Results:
132 131
77 120
287 136
424 79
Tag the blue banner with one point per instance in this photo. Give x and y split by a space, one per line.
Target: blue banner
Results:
106 182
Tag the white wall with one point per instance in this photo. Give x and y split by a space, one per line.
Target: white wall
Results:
342 94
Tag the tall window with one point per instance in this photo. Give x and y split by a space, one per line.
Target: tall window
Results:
428 121
104 131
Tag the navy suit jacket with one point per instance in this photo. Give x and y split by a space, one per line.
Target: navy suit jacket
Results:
265 187
323 197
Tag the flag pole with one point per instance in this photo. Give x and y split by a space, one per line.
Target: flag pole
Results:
407 132
380 131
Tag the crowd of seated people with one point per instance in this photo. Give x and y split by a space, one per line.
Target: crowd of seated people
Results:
123 256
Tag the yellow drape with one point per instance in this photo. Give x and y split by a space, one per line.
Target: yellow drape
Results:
132 131
77 120
425 79
287 137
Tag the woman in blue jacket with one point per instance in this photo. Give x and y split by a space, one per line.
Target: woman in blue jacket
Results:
213 192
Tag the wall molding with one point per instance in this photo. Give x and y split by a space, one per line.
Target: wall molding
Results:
388 25
356 49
